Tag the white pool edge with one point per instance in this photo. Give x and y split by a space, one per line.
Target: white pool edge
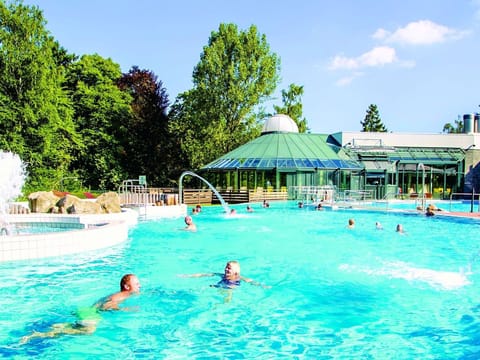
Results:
100 231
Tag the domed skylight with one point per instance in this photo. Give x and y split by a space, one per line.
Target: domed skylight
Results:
280 123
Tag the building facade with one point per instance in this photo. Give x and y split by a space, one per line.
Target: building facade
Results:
384 164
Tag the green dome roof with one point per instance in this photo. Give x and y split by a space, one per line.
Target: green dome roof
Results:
285 151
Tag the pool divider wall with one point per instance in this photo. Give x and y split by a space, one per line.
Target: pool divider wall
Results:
97 232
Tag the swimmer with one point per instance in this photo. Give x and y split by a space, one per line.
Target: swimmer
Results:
429 212
198 208
89 317
319 207
378 226
249 208
190 225
233 212
399 229
433 207
230 278
351 224
266 204
300 204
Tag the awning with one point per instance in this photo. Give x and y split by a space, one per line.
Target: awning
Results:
380 166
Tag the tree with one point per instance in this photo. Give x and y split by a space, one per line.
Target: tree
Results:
453 129
372 121
35 113
236 73
148 149
102 114
292 106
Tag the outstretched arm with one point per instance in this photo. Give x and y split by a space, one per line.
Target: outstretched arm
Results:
199 275
253 282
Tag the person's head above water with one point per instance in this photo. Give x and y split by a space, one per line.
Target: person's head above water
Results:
351 223
232 269
130 283
190 225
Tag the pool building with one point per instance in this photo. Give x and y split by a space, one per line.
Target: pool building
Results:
382 165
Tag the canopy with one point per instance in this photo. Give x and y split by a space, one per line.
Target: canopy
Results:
287 152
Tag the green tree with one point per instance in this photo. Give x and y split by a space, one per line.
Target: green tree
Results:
236 73
372 121
148 148
292 106
35 113
102 114
457 128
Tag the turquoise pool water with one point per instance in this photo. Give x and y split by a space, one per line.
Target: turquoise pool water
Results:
26 228
335 292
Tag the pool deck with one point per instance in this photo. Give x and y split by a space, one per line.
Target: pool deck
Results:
473 215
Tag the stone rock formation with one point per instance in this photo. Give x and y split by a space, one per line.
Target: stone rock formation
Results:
49 202
110 202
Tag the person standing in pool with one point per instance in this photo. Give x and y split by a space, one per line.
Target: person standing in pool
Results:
351 224
190 225
230 278
399 229
89 317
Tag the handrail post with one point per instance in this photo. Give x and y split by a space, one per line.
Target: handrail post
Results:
473 199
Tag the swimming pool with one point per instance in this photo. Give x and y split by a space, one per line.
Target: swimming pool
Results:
335 292
24 228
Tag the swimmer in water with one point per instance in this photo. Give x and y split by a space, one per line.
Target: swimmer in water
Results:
399 229
230 278
351 224
190 225
89 317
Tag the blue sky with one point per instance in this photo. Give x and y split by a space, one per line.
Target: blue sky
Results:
417 60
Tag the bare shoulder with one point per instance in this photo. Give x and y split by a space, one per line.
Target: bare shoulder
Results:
113 301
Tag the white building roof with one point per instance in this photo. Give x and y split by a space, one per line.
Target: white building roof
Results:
381 139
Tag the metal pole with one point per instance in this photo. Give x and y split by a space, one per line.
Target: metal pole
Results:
473 199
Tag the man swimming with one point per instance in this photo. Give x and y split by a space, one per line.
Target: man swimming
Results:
89 317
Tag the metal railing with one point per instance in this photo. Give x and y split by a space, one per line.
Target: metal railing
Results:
356 195
466 196
325 193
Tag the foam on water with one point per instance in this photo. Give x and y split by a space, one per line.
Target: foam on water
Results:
439 279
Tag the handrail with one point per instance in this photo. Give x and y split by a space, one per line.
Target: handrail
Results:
472 200
420 165
320 192
390 193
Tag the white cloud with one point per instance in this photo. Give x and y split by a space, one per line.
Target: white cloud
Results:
378 56
348 79
381 34
422 32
